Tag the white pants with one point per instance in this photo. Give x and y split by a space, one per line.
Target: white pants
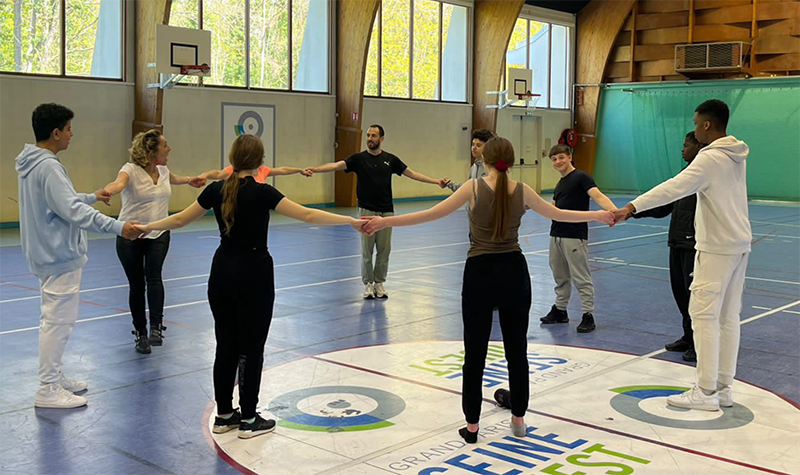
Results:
60 299
714 306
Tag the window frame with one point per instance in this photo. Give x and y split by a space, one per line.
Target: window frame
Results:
62 44
551 18
290 88
468 59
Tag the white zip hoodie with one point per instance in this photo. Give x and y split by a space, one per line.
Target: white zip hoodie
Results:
718 176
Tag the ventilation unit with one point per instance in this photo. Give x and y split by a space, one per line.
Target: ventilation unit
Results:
709 57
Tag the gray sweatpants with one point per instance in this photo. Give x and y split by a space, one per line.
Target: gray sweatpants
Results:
569 261
382 240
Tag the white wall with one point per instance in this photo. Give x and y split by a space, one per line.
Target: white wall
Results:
431 138
553 123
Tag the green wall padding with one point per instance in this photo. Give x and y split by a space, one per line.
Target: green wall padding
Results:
641 128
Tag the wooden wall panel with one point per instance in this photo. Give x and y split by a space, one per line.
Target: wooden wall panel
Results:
662 36
715 33
706 4
663 6
599 24
653 21
778 44
617 70
148 103
620 54
721 16
779 28
777 11
494 23
353 30
664 67
654 52
780 63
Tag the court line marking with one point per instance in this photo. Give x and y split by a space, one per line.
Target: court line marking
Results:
602 260
366 458
328 259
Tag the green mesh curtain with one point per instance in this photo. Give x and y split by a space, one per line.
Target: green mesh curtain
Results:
641 130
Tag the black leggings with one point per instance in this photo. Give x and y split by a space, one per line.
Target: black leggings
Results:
681 267
495 280
142 260
241 293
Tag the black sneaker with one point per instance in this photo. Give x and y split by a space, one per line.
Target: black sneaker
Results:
503 398
256 428
587 323
142 343
690 356
678 345
555 316
222 426
157 334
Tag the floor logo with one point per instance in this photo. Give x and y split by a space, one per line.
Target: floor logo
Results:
336 409
630 399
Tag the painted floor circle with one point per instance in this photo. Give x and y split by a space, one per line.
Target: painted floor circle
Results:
396 409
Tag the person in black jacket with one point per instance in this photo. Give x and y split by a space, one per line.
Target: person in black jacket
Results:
681 251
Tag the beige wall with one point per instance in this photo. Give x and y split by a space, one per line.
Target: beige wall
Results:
102 125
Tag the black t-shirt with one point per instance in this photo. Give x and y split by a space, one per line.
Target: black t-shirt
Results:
374 185
251 218
571 193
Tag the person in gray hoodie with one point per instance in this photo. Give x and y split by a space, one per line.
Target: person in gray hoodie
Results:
723 235
53 218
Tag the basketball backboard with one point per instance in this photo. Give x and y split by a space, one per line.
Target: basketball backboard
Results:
519 81
176 47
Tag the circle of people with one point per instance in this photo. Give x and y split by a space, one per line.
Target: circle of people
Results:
709 242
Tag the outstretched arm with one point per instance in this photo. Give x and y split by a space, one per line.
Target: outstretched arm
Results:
287 171
425 178
116 186
442 209
339 165
291 209
193 212
194 181
215 175
602 200
536 203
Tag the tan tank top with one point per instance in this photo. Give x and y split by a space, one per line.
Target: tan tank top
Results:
481 222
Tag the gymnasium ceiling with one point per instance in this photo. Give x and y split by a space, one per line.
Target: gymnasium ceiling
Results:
568 6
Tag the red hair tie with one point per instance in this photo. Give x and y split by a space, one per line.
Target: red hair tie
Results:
501 165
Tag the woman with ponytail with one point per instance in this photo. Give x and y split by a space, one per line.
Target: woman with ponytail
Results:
241 286
145 183
495 274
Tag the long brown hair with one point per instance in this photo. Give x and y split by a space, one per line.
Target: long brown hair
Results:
247 153
499 154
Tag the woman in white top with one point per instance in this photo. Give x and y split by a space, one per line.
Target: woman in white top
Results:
145 183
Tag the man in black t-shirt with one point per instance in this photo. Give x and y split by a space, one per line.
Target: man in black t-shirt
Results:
374 169
569 254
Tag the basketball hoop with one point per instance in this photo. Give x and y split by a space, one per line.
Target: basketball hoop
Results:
530 101
202 70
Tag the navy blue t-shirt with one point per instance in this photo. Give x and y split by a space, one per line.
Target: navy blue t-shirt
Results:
571 193
374 184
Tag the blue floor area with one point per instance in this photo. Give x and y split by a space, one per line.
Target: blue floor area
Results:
146 412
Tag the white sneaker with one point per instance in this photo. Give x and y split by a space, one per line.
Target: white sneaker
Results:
369 292
725 397
695 399
380 292
72 385
53 395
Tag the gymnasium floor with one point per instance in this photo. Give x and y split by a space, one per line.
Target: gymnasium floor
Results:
149 414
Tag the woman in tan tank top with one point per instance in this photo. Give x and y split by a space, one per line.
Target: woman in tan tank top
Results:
495 274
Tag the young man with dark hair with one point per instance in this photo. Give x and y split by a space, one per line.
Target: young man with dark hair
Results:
718 176
569 254
681 251
374 169
52 220
476 170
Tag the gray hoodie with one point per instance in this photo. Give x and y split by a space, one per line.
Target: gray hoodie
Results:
53 216
718 176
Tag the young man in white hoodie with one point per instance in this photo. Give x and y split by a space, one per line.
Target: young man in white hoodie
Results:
722 225
53 217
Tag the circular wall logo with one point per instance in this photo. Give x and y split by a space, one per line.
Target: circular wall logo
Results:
336 409
635 402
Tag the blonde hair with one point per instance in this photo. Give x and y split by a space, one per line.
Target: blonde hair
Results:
497 149
144 147
247 153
